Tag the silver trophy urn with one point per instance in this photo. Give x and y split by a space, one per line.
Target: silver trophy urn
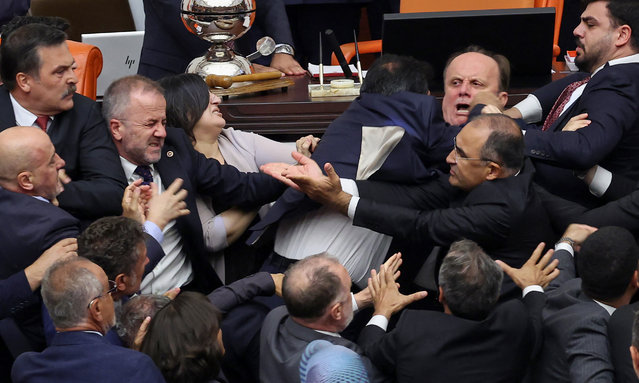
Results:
219 22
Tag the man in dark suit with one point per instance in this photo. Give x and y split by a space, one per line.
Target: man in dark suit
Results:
135 110
319 305
435 345
168 46
39 90
607 49
576 346
621 335
78 294
488 196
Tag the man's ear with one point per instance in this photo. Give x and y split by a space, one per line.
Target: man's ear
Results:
23 81
494 171
120 282
115 126
95 311
634 355
441 297
625 33
25 180
337 311
503 99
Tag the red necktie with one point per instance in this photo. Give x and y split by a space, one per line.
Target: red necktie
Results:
561 102
42 121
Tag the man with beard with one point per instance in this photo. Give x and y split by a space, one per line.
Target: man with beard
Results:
39 90
77 293
607 48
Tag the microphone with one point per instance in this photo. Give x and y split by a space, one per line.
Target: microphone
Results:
332 42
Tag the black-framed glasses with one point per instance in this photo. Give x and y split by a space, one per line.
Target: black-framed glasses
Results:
462 156
112 287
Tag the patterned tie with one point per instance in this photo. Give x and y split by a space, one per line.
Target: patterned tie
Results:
561 102
42 121
144 171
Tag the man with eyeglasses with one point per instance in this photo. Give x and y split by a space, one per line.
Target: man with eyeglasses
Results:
487 196
77 293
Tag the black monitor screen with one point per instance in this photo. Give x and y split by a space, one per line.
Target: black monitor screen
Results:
524 36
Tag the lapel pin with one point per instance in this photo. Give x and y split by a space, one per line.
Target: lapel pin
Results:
169 153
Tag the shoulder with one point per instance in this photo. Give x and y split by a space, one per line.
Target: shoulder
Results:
621 75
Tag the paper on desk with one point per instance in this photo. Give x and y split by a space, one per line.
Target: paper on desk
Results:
332 70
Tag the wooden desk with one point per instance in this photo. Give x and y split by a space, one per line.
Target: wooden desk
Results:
290 114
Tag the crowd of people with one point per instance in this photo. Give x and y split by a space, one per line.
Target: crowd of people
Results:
416 241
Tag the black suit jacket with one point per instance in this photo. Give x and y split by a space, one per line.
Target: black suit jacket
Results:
436 347
226 186
611 140
620 336
169 47
505 216
81 138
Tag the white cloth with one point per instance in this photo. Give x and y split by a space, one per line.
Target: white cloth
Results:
174 269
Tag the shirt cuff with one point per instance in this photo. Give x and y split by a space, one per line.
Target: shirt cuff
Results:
600 182
154 231
564 246
530 109
352 206
530 288
349 186
379 321
355 307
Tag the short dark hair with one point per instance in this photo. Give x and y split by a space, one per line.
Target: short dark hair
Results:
182 341
118 95
622 12
470 279
505 144
18 21
391 74
321 286
502 63
19 50
112 243
134 312
187 97
606 262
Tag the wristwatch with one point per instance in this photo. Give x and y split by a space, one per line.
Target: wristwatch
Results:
284 48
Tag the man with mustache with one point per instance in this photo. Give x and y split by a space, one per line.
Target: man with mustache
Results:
607 47
39 90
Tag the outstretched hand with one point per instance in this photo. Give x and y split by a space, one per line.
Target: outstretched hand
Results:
165 207
535 271
364 297
386 296
281 170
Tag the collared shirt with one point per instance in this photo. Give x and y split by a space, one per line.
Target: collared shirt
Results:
606 307
531 110
23 116
358 249
174 269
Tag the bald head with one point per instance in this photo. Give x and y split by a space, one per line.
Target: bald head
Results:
29 163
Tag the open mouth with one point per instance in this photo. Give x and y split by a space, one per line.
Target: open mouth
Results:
462 108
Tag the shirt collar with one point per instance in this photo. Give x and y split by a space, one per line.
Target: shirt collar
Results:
130 167
622 60
606 307
329 333
22 115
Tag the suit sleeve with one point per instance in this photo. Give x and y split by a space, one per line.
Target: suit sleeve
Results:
620 336
100 183
227 297
535 302
566 269
15 293
442 226
435 194
381 347
619 187
623 212
588 352
587 147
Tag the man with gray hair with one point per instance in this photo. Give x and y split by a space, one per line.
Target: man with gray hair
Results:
427 343
77 293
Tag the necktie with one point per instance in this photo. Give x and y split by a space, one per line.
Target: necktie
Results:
144 171
42 121
561 102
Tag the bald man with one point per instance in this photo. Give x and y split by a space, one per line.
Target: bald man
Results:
32 224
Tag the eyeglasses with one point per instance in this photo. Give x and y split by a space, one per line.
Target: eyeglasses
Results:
462 156
112 287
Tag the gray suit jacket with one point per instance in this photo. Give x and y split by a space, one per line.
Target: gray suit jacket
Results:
282 343
576 347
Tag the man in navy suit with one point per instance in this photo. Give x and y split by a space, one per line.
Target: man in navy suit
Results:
77 293
607 49
135 110
39 90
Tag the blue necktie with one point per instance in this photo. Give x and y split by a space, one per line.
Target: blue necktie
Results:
144 171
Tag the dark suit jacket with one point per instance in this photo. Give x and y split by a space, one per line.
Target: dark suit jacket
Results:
169 47
576 346
496 214
81 138
436 347
78 356
226 186
620 336
282 343
611 140
31 227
